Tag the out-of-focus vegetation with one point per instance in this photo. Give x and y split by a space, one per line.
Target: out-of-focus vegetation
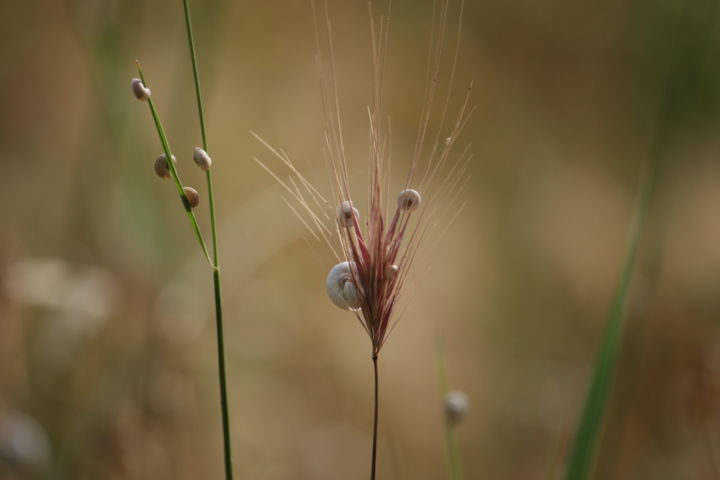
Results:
107 353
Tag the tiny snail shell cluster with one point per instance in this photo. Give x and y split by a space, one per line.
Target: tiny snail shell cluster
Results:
409 200
162 169
346 214
340 287
139 89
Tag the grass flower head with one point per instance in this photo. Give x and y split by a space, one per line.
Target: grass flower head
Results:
376 249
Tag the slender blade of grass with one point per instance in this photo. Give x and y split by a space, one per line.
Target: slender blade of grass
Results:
689 36
225 412
588 433
451 447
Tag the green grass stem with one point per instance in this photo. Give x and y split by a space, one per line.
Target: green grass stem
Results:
451 445
582 456
225 412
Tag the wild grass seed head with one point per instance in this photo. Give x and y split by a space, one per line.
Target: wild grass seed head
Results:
375 251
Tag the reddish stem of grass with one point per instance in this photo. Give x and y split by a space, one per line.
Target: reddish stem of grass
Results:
375 420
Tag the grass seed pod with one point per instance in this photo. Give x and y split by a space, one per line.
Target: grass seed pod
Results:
456 406
409 200
346 214
202 159
340 287
139 89
193 199
162 169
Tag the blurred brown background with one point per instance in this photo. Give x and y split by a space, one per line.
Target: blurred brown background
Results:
107 347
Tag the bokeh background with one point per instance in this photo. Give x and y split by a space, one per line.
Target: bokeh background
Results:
107 347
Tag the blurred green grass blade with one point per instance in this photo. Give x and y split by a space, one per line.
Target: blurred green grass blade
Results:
581 461
451 446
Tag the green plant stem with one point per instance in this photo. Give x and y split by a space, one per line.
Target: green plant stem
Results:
196 75
453 453
588 433
225 413
174 172
375 419
227 449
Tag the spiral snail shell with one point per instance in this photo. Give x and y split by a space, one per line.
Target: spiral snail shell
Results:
192 196
162 169
139 89
346 214
202 159
340 287
409 200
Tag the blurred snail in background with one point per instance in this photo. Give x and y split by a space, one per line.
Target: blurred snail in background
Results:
456 406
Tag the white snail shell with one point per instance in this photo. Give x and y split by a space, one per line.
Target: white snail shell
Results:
391 271
202 159
409 200
139 89
346 214
340 287
456 406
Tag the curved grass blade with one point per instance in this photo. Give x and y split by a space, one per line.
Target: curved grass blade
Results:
587 436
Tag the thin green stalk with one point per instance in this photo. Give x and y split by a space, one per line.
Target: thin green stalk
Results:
453 453
227 449
588 434
375 419
451 446
173 171
196 75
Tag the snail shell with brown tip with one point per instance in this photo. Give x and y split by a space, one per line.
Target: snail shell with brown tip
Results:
409 200
346 214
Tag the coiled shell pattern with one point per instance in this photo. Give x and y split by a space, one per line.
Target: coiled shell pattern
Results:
340 287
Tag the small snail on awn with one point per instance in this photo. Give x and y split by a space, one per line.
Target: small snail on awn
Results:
346 214
409 200
340 287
